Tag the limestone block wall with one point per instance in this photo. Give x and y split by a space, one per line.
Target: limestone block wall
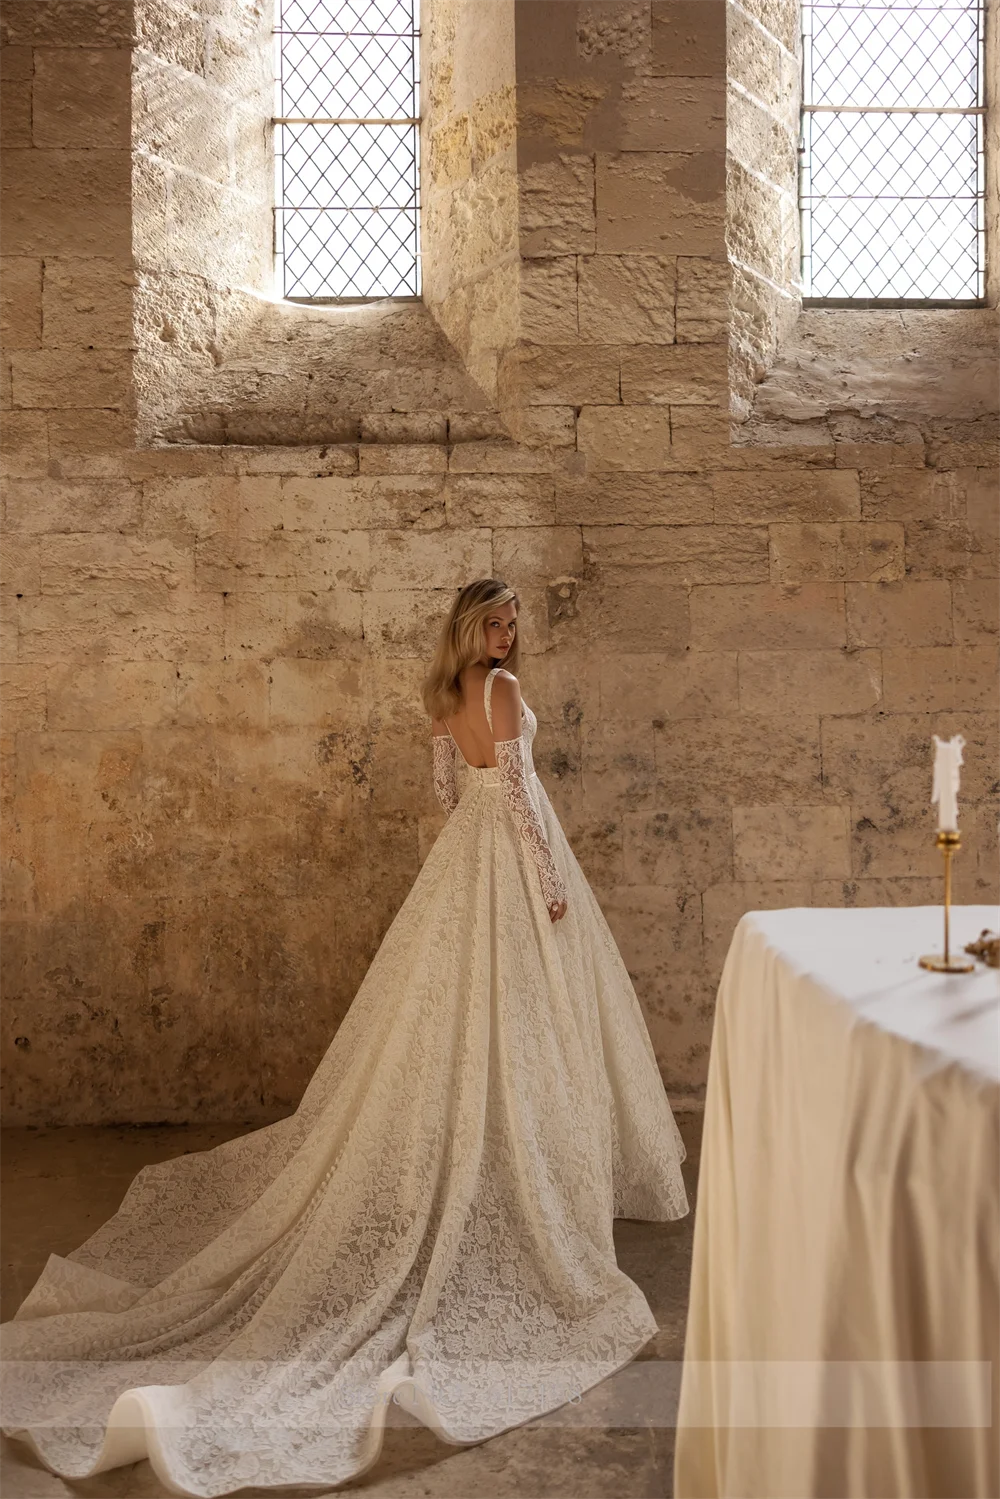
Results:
764 95
217 769
202 191
469 211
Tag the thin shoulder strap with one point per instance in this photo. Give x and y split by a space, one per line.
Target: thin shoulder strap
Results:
488 693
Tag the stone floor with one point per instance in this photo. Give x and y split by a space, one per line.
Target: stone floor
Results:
60 1184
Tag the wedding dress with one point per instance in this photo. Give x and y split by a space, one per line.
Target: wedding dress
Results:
433 1224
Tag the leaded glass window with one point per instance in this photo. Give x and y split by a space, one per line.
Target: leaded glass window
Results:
347 149
892 172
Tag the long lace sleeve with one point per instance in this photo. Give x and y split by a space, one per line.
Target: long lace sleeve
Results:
510 763
445 772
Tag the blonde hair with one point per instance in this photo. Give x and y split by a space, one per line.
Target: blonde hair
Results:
461 642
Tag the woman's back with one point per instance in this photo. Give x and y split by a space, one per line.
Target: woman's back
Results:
469 726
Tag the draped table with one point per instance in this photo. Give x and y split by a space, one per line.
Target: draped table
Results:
843 1336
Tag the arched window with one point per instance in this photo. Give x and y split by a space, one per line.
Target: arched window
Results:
346 149
892 179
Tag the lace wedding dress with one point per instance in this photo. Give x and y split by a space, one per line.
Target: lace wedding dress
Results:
432 1225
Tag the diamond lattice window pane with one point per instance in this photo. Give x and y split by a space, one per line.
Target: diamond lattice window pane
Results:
347 149
892 160
348 77
893 156
891 56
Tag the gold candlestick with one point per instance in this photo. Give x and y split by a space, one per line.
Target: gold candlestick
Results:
949 844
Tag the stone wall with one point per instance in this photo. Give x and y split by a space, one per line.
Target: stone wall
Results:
763 100
217 767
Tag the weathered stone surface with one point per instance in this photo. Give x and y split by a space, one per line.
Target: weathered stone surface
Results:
743 760
633 499
661 202
791 843
21 302
936 679
559 377
631 438
888 842
697 684
42 506
25 697
632 615
20 567
685 850
501 500
762 141
15 113
849 553
532 555
420 559
976 611
79 627
548 300
899 614
876 892
681 375
311 624
72 377
762 616
758 499
24 444
121 694
673 114
702 436
343 504
687 554
820 682
761 229
404 428
702 299
400 458
153 570
80 97
287 564
627 299
87 302
63 202
557 206
689 38
883 758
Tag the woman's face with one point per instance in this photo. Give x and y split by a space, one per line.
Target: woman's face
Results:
499 629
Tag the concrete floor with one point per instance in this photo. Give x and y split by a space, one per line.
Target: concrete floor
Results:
59 1185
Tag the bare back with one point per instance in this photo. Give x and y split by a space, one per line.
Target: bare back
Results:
469 726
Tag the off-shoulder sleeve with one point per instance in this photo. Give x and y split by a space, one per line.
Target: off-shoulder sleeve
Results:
510 763
445 772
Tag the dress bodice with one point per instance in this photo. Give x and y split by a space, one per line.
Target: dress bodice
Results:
489 774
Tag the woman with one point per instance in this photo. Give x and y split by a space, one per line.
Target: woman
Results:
433 1224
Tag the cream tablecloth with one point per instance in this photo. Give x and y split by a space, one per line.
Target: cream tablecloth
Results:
844 1327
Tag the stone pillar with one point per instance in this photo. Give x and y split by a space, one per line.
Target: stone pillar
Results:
66 229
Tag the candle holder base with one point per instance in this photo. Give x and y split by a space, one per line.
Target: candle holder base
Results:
937 963
949 842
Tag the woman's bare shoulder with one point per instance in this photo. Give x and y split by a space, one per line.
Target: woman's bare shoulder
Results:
506 682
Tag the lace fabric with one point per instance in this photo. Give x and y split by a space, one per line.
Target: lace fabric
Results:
510 763
433 1224
445 771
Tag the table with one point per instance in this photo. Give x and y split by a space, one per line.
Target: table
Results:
843 1336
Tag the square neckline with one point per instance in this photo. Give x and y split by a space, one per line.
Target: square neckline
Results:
455 742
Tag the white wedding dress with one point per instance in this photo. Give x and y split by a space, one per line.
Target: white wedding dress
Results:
432 1225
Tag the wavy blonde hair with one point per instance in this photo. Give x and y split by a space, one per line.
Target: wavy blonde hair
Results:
461 642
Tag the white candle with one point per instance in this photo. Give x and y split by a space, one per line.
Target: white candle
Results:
947 759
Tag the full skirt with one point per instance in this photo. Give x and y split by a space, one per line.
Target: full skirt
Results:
433 1224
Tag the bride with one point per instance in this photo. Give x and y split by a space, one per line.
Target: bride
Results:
433 1224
